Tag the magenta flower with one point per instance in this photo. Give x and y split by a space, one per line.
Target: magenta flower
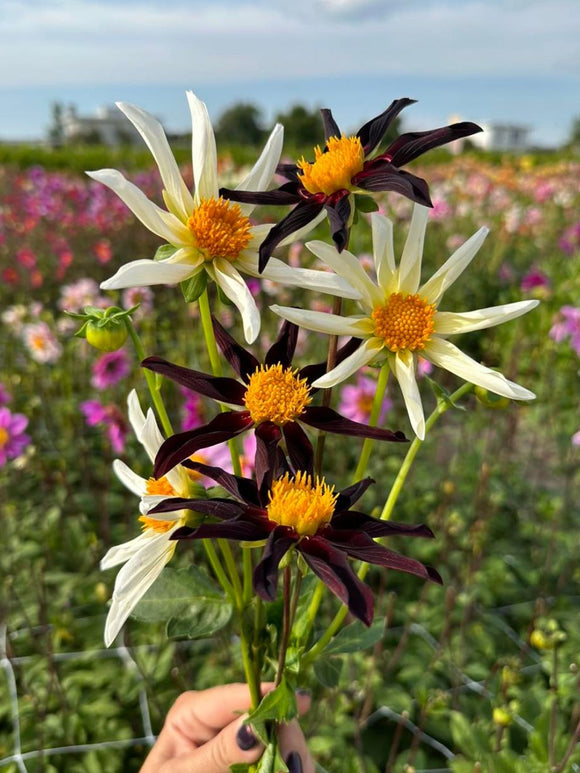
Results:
534 280
576 438
111 418
13 439
356 400
109 369
193 411
567 325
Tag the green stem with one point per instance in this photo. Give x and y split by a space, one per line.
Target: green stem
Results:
218 569
397 486
232 569
248 570
442 407
150 378
382 383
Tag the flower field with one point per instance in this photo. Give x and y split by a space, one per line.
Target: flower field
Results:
479 674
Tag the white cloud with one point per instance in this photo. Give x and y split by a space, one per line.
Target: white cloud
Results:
95 41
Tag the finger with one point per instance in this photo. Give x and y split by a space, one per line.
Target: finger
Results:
303 701
293 748
235 744
199 716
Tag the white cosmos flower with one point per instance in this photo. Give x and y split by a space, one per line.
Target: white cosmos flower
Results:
146 555
208 233
401 318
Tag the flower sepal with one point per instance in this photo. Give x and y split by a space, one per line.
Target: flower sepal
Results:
164 252
105 329
193 287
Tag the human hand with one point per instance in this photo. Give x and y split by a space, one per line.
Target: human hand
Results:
204 733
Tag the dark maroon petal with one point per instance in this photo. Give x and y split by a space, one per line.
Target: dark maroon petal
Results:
330 126
413 144
220 508
301 215
285 194
289 171
352 520
363 547
241 360
243 489
179 447
373 132
268 436
282 350
339 217
237 529
329 420
333 569
348 496
266 572
299 447
383 176
312 372
225 390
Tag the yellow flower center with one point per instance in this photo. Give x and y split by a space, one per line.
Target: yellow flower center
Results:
334 169
276 394
4 437
301 504
405 322
164 488
219 229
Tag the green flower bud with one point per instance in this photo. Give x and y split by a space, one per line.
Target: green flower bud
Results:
105 329
491 400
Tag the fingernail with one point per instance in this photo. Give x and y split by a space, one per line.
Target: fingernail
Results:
294 763
304 692
245 738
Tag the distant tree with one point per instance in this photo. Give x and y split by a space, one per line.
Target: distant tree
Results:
240 124
302 127
574 138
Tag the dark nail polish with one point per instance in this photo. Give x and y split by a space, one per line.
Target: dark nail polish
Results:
245 738
304 692
294 763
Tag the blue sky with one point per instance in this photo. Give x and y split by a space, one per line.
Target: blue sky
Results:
514 60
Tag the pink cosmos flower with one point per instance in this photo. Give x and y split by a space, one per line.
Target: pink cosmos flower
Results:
141 296
193 412
534 280
103 251
567 325
41 342
111 418
13 439
424 367
356 400
76 296
26 258
109 369
576 438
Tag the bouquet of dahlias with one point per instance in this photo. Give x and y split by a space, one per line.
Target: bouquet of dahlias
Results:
275 529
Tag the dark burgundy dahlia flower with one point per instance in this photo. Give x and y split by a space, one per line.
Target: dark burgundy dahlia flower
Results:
272 397
304 514
346 166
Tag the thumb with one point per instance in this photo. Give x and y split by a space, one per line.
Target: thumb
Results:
236 743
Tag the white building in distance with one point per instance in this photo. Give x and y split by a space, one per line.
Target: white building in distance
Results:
509 137
107 127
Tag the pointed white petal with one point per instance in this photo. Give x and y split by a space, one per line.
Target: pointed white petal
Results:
258 234
233 285
449 323
203 151
151 500
354 362
260 176
320 321
157 220
410 266
134 579
119 554
129 479
348 267
434 288
309 279
447 356
404 369
152 132
383 251
144 273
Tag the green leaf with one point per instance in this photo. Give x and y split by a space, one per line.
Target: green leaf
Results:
224 298
468 737
328 670
193 287
165 251
239 767
188 599
280 704
356 637
365 204
442 395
